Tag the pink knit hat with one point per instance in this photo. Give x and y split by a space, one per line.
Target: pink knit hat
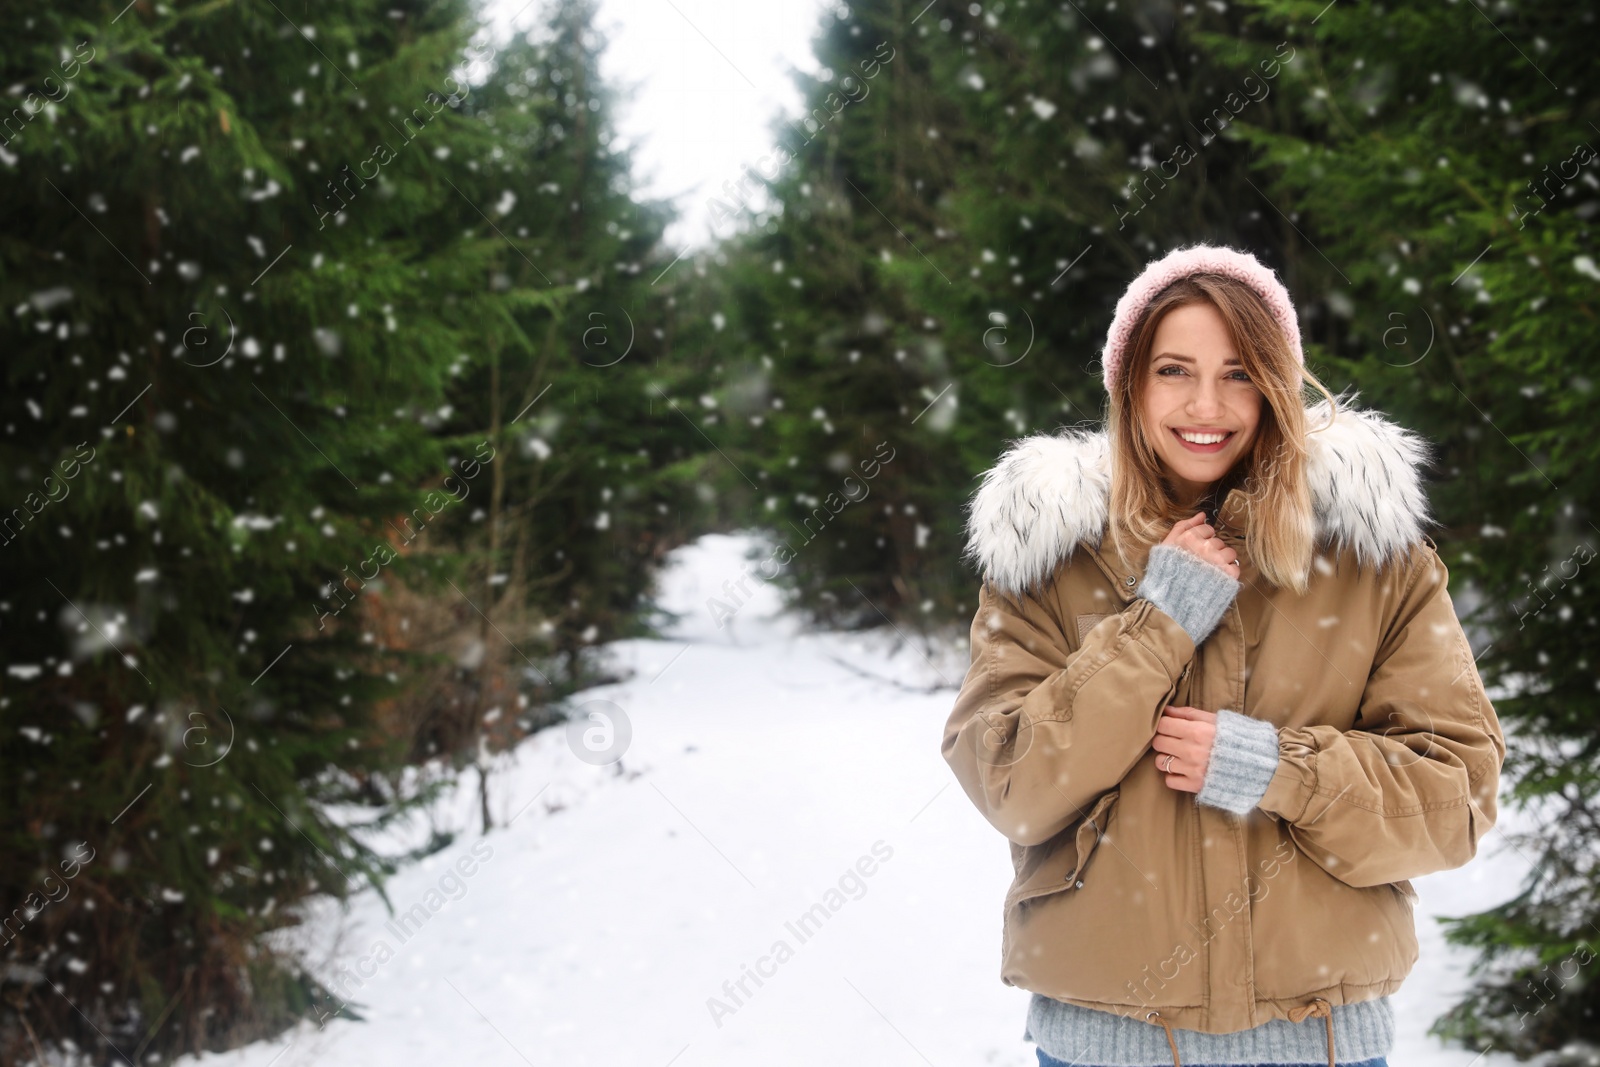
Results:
1179 263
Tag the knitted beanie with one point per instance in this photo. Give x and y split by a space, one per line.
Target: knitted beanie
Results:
1179 263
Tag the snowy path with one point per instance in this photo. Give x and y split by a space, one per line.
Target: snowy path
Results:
760 777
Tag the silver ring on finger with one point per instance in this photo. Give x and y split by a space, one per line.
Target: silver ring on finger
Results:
1168 768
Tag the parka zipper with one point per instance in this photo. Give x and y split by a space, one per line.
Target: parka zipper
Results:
1181 693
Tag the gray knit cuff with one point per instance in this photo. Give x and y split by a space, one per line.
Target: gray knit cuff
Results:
1244 757
1195 593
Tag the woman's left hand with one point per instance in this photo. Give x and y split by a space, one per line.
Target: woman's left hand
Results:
1186 735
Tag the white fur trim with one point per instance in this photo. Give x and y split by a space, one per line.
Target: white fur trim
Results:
1049 492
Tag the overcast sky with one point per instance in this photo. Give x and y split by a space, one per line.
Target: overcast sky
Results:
708 77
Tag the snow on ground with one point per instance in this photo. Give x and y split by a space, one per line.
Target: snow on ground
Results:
769 771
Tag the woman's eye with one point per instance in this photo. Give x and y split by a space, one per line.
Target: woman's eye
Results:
1236 376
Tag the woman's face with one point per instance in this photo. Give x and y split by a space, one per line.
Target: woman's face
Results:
1198 392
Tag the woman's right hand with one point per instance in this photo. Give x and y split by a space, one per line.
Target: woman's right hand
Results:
1199 537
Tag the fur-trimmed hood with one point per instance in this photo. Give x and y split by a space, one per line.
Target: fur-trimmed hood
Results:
1049 492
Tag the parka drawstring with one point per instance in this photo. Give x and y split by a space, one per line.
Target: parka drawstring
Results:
1317 1006
1156 1015
1321 1007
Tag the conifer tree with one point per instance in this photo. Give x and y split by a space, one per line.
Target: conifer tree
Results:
234 276
559 546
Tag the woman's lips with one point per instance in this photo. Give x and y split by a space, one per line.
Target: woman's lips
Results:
1205 449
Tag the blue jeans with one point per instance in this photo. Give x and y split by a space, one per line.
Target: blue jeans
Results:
1047 1060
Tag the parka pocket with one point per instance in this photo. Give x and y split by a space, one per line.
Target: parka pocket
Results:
1090 831
1061 863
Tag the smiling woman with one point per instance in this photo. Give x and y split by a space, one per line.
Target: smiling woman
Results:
1209 391
1155 689
1202 406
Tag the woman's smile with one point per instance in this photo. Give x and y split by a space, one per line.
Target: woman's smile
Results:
1201 440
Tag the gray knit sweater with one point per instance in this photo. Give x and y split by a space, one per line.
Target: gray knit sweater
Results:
1244 758
1361 1031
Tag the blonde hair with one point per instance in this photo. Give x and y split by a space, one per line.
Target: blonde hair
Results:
1280 533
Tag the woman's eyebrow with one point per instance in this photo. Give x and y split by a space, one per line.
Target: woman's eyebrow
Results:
1190 359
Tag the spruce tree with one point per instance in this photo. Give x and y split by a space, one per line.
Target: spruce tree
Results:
234 280
558 546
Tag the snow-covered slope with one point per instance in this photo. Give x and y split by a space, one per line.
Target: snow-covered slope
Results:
782 817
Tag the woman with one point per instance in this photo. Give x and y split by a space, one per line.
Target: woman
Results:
1219 700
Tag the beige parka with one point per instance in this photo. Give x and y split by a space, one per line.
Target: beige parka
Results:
1131 897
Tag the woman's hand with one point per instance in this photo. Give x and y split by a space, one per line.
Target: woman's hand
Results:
1186 735
1199 537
